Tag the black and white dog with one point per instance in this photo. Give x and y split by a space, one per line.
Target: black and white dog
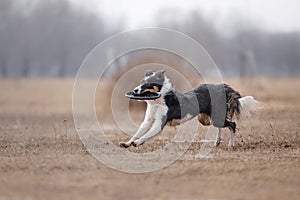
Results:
213 104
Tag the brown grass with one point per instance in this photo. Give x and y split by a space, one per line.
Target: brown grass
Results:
42 157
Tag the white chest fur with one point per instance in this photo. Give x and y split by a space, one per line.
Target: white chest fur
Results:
155 110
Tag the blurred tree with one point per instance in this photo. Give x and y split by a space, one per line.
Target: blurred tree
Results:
248 51
39 37
5 8
51 38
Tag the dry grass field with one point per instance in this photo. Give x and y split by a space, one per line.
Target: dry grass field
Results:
41 156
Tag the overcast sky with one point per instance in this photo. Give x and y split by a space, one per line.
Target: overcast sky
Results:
273 15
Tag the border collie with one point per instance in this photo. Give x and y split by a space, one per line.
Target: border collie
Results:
215 105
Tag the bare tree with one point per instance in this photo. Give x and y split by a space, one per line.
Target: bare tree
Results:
54 36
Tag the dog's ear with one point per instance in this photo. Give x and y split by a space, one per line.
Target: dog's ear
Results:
149 72
161 73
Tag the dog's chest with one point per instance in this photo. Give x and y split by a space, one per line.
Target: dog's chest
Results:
156 110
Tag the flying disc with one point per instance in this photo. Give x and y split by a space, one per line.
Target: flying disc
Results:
143 96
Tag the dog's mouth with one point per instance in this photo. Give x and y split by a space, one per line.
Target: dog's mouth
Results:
145 92
143 96
154 89
147 88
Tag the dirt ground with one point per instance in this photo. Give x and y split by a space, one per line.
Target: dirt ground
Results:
42 157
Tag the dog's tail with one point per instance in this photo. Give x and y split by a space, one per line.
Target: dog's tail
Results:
248 105
238 106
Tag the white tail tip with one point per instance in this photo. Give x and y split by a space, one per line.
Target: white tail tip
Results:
249 105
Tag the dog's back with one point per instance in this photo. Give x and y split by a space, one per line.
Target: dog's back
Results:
205 99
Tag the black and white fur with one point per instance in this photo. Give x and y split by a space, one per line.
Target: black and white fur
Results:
174 107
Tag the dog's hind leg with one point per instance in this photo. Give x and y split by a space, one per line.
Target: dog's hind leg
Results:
232 140
205 120
232 128
218 137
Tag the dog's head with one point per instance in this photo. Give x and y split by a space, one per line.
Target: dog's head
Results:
151 82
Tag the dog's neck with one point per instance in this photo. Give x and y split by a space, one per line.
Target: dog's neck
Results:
167 87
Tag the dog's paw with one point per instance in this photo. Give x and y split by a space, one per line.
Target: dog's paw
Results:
137 143
124 144
134 144
231 146
218 142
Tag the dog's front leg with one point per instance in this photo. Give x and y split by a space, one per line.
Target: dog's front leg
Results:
144 127
157 126
154 130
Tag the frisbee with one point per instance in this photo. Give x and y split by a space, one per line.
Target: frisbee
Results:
143 96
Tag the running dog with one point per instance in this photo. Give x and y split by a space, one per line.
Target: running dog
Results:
215 105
